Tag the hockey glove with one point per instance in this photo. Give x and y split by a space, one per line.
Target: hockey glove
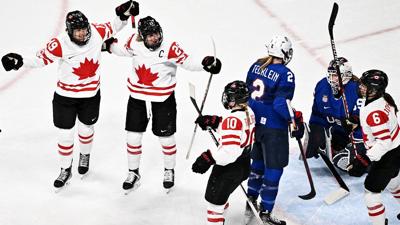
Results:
208 121
350 123
129 8
12 61
297 131
209 66
359 166
203 162
107 44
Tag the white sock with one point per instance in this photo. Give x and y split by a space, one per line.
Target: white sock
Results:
376 210
65 146
85 134
215 214
168 145
134 149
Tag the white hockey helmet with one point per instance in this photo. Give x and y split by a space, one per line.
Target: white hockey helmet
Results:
346 73
280 47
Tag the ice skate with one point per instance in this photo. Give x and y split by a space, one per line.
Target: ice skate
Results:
269 219
132 182
398 216
169 179
63 179
248 213
83 166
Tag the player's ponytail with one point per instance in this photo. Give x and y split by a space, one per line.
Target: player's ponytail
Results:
266 61
245 107
389 99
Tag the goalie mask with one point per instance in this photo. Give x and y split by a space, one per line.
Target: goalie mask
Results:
374 82
78 27
345 72
148 26
235 93
280 47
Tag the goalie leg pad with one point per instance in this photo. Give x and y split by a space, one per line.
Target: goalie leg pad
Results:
342 159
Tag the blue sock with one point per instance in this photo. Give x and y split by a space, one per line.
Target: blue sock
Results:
256 178
269 189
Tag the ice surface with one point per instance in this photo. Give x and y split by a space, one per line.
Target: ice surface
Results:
366 32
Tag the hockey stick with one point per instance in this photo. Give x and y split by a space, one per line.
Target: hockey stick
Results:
343 190
332 20
202 103
193 100
312 192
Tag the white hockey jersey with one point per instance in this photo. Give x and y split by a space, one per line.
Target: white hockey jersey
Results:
153 76
78 66
380 128
236 133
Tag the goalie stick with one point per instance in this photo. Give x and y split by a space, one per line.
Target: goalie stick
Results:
193 100
303 155
331 23
202 102
343 190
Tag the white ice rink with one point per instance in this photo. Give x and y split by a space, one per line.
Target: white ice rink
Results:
367 33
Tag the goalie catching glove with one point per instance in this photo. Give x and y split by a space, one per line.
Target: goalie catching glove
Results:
203 162
127 9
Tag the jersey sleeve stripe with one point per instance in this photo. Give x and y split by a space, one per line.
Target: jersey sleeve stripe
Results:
385 137
396 133
381 132
231 143
231 136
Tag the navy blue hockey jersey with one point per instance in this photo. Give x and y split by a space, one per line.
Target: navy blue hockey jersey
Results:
328 111
269 88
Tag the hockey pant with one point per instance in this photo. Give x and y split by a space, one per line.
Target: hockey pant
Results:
224 180
383 174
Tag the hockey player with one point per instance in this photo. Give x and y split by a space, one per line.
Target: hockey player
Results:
328 118
77 94
231 159
271 84
152 84
381 136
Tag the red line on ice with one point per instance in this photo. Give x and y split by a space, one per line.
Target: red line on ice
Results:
57 30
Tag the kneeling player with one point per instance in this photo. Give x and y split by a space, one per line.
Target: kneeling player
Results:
231 159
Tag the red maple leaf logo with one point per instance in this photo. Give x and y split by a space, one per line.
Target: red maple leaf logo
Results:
86 69
146 77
